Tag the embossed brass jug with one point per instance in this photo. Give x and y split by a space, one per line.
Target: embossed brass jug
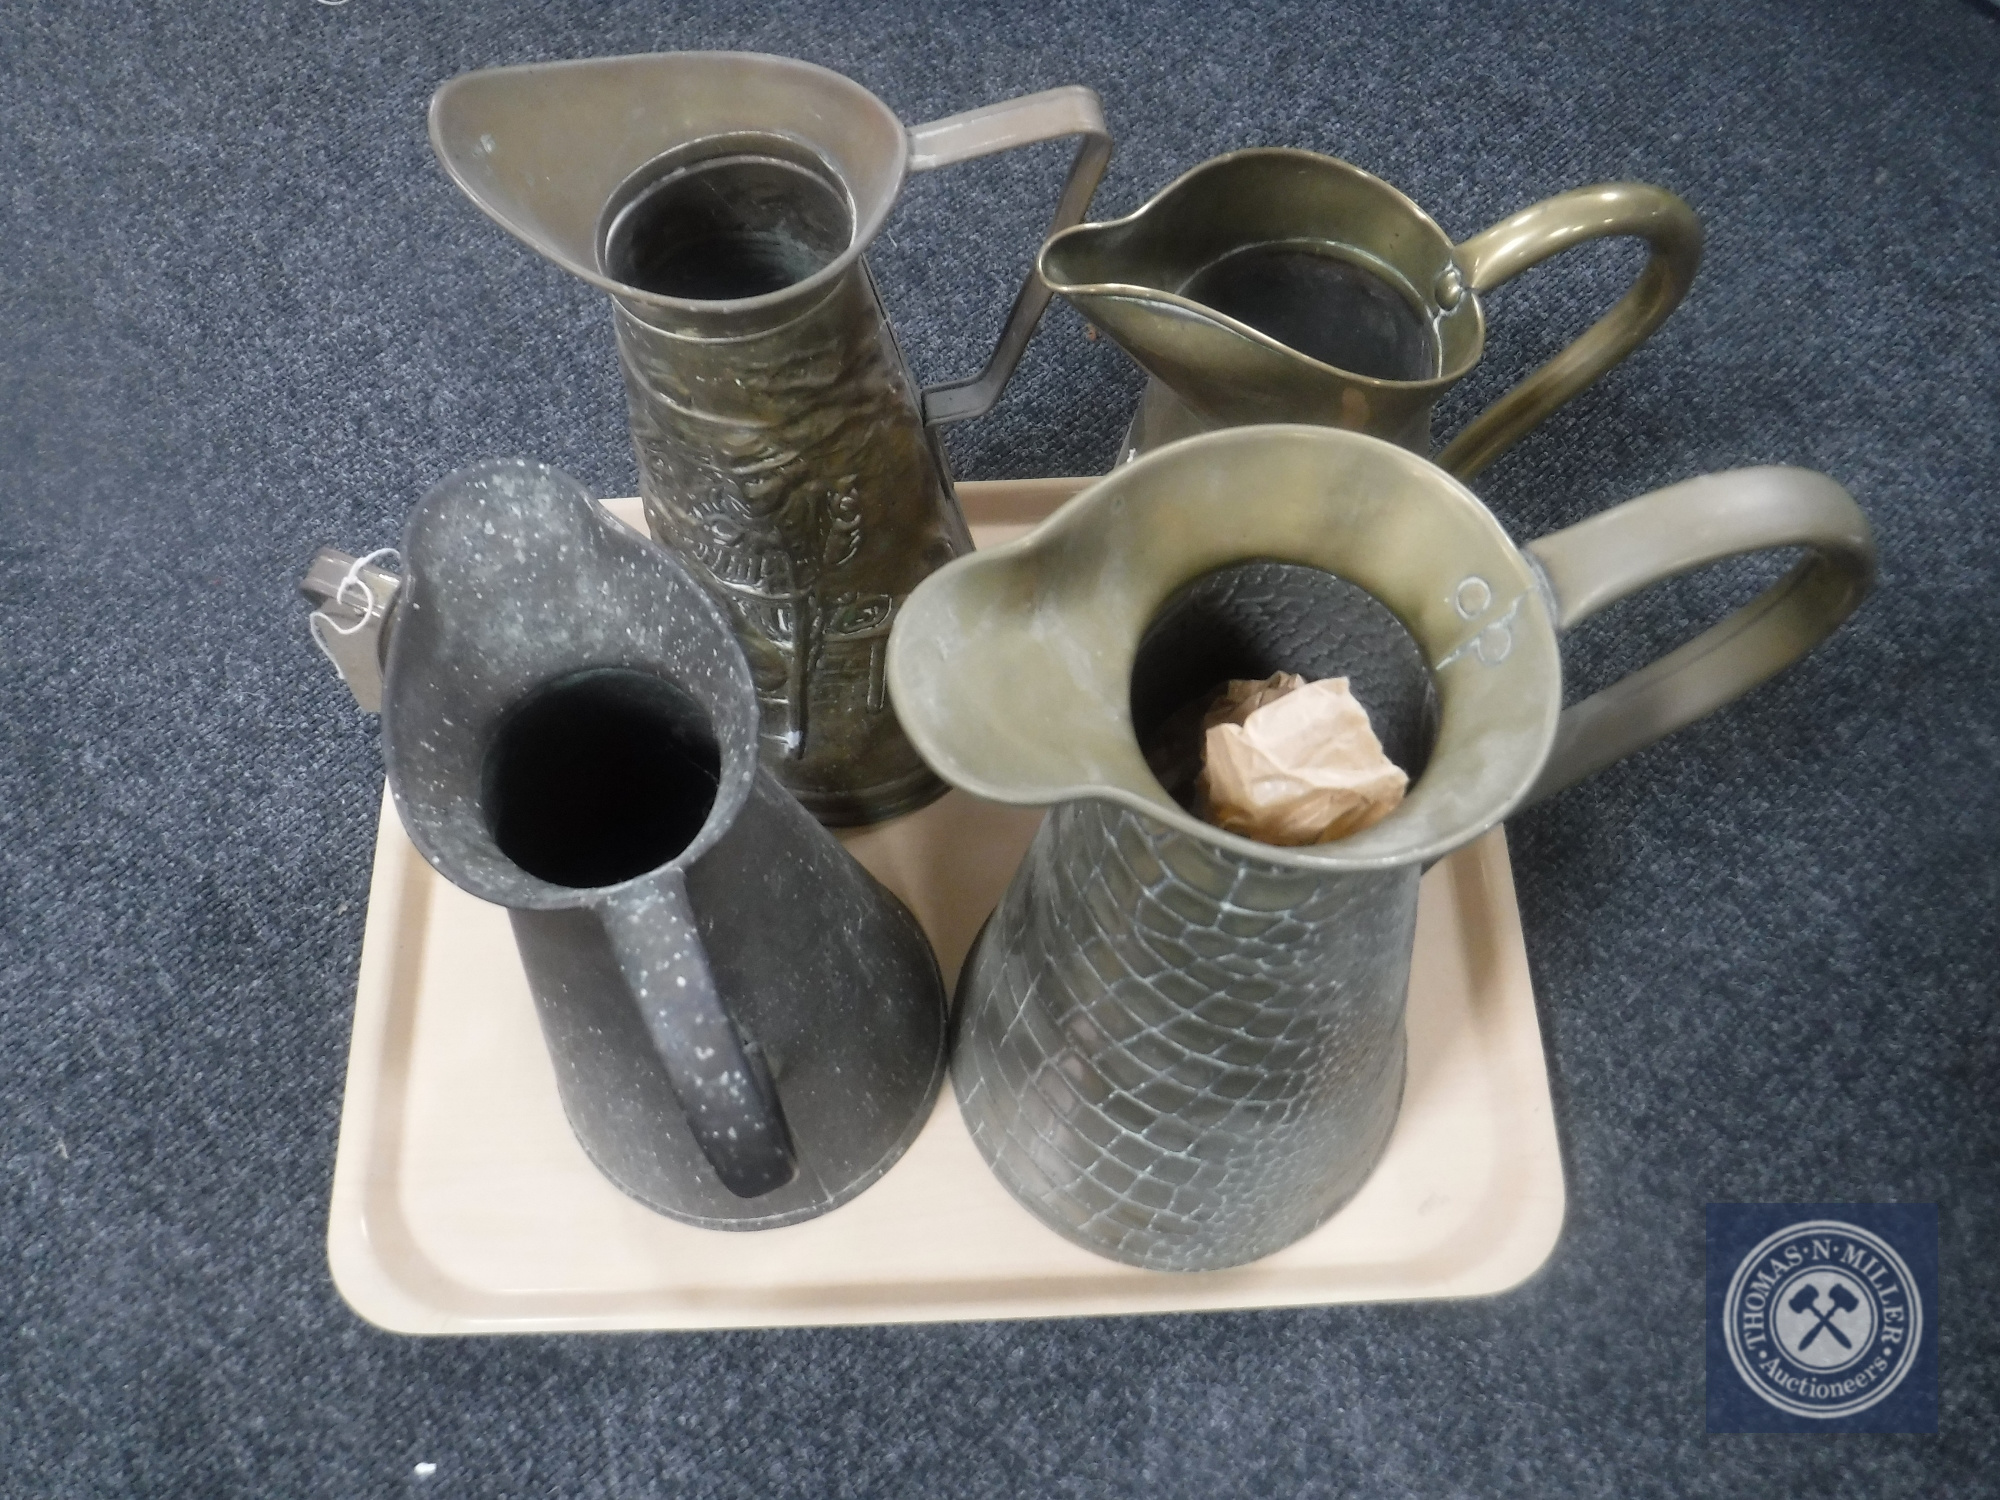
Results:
1276 285
1179 1047
725 200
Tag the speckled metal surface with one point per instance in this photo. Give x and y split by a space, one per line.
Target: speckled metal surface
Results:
744 1035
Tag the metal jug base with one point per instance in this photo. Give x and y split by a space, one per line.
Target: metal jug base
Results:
1223 1246
830 1200
1085 1093
1181 1257
855 1040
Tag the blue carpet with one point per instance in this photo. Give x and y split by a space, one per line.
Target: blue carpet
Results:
242 313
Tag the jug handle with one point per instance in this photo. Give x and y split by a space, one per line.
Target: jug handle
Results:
1046 116
722 1085
1675 530
1501 253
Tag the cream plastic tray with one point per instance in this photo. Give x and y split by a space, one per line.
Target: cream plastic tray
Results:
462 1204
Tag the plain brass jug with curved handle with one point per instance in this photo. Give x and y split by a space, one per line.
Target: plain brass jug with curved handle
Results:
1277 285
1185 1049
725 201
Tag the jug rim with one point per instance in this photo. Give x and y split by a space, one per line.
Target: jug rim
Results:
982 703
1474 345
460 147
441 744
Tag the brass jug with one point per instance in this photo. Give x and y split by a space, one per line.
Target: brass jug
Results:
1276 285
1182 1048
725 201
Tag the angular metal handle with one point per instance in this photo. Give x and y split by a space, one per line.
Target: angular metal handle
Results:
1673 531
1531 236
1001 127
723 1087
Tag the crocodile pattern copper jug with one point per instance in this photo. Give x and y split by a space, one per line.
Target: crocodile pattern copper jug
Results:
725 201
1277 285
1182 1048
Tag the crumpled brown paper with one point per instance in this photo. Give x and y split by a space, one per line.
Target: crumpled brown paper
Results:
1286 761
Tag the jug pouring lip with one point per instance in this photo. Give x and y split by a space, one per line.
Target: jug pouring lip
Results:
527 143
1011 668
1403 231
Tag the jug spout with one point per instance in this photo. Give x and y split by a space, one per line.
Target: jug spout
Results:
1223 375
1209 372
556 152
1274 286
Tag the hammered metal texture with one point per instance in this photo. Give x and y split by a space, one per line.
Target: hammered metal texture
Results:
792 469
1175 1057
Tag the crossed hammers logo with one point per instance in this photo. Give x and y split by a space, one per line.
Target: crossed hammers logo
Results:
1807 1301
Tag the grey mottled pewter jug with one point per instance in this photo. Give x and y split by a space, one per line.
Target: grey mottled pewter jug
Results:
747 1030
1184 1049
725 201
